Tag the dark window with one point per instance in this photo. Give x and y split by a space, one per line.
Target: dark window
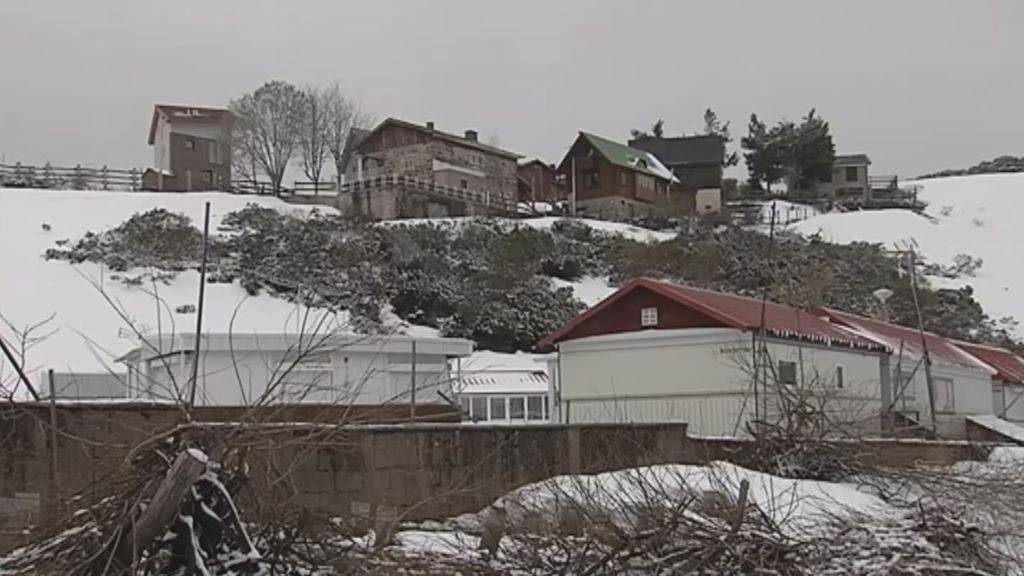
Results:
535 407
190 143
464 184
623 179
851 174
839 377
498 408
208 177
479 408
516 408
787 373
215 153
590 180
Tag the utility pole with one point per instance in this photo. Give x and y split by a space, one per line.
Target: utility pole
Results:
912 261
412 394
199 310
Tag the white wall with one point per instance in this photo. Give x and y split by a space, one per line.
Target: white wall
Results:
699 376
343 376
972 394
709 200
1008 398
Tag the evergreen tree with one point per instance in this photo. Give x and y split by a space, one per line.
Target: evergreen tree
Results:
714 127
814 152
763 154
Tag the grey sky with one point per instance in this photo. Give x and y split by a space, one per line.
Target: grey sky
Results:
919 85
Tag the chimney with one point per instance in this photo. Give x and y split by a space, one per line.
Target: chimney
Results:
471 135
430 126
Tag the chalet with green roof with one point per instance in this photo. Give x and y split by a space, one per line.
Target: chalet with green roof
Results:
613 180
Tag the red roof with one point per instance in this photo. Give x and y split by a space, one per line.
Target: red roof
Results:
1009 367
940 349
732 312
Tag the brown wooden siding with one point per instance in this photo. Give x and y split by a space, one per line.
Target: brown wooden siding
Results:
624 316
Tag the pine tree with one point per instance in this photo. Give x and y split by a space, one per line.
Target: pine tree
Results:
764 154
714 127
815 152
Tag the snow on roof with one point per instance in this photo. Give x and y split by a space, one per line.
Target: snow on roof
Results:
975 215
999 426
941 350
486 372
87 333
733 311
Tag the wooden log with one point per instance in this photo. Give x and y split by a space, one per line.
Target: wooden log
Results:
137 535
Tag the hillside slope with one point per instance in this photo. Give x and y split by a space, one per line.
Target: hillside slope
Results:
84 332
976 215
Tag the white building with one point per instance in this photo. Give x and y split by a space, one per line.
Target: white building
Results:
246 369
658 352
961 382
495 388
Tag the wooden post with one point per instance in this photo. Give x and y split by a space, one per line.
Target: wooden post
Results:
55 497
194 381
137 534
412 397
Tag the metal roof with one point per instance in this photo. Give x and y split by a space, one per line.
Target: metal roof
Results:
1009 367
852 160
941 350
685 150
460 140
737 312
630 158
504 382
177 114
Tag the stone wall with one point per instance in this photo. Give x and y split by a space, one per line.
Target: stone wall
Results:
426 470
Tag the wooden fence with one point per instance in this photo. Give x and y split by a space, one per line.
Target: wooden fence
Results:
75 178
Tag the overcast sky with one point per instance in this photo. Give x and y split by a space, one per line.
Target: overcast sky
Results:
918 85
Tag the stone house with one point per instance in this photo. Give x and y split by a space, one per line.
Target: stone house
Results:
405 170
191 149
606 179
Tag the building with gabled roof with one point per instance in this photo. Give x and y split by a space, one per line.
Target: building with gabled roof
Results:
400 169
658 351
1007 379
607 179
961 380
191 149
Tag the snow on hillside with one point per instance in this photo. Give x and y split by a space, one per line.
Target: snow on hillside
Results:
625 230
86 334
975 215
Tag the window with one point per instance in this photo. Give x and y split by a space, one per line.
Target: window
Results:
591 180
839 377
516 408
535 407
498 408
464 404
624 179
464 184
216 156
787 373
644 181
907 384
944 402
648 317
208 177
852 174
190 143
478 408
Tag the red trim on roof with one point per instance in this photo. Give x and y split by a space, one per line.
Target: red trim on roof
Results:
1009 367
732 311
939 348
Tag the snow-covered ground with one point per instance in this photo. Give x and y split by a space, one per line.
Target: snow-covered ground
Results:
85 333
975 215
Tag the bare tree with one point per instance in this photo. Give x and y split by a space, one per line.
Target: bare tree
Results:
342 115
266 130
314 133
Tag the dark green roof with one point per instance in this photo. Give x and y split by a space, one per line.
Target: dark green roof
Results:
627 157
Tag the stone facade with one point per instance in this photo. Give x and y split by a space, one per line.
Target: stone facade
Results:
403 149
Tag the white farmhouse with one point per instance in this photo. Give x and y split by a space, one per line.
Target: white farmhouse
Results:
659 352
241 370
